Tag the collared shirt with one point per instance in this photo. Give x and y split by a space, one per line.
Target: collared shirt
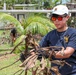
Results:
66 39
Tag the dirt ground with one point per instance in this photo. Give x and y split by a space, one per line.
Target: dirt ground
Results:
2 57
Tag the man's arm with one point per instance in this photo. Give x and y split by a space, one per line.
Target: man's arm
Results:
66 54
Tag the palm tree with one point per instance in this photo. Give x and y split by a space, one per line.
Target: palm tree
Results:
37 25
34 24
6 19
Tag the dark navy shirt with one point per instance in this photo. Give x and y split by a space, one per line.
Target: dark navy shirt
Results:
66 39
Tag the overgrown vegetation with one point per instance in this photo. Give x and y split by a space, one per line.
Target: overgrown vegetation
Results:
35 62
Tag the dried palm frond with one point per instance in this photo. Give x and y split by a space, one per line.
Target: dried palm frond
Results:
55 69
60 62
41 54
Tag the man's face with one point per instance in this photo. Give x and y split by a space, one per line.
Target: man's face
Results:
59 20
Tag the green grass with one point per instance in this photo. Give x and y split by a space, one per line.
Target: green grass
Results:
6 60
5 46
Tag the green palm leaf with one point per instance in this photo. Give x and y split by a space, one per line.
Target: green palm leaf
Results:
20 39
6 19
38 25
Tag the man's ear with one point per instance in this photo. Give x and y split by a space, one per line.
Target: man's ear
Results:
67 17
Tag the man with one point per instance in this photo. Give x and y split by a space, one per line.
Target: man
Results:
13 35
62 36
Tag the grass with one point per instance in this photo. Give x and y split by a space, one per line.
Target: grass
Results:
6 60
9 59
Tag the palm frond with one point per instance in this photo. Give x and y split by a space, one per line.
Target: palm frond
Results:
38 24
7 19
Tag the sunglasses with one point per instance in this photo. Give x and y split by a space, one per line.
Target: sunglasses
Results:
57 17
